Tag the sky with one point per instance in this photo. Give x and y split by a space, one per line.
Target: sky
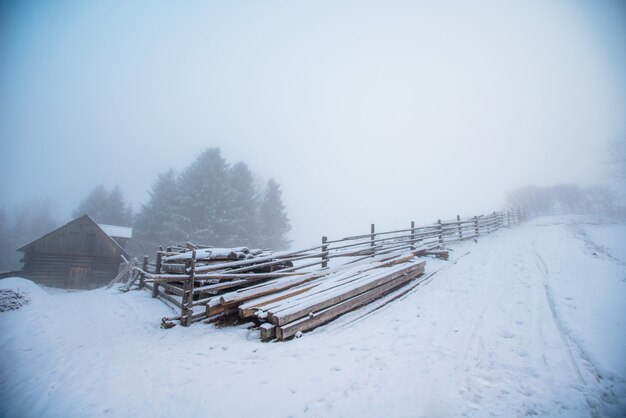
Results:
364 111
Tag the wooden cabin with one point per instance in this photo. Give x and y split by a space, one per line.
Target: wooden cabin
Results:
79 255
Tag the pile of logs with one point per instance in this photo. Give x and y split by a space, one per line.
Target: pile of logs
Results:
286 308
212 283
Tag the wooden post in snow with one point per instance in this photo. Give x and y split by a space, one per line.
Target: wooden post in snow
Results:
186 311
440 231
476 226
157 270
412 235
458 224
142 276
324 252
373 230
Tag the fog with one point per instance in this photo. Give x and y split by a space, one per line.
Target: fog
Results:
364 112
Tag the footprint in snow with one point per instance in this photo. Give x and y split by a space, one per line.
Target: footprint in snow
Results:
506 334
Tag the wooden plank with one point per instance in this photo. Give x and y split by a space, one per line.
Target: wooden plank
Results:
215 288
177 268
242 295
251 308
169 298
173 289
302 308
249 276
318 318
268 331
347 274
323 285
247 262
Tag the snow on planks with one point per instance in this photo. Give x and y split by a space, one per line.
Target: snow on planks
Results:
268 290
285 309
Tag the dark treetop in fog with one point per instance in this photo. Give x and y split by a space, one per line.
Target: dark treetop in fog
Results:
211 203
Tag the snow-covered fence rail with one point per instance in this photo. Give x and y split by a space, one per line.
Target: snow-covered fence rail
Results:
206 283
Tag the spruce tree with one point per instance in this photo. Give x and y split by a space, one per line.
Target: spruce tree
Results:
117 210
274 224
106 207
93 205
155 223
242 207
204 197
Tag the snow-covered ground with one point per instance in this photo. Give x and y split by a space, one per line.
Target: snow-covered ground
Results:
532 322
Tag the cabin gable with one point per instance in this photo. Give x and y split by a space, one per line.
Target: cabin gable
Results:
78 255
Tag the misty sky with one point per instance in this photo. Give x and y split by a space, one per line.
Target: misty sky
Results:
384 112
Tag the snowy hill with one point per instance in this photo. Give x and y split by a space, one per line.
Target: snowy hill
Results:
528 322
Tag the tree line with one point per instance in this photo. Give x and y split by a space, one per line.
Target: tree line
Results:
213 203
562 198
210 202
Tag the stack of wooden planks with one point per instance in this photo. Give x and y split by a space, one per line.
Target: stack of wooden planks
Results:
286 307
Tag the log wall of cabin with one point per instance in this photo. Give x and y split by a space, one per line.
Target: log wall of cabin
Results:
70 271
77 256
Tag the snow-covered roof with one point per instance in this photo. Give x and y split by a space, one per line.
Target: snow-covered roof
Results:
115 231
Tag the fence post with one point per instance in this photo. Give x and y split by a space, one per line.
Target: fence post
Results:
440 231
508 218
372 231
157 270
142 276
458 224
324 253
187 302
412 235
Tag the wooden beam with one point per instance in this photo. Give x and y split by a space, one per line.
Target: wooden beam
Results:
335 296
318 318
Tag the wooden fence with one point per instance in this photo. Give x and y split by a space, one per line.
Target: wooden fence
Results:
196 287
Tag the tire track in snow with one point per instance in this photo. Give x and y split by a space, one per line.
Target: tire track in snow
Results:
576 353
582 235
563 334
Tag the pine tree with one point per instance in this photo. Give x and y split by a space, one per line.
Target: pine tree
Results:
93 205
273 218
118 211
105 207
242 207
155 223
204 197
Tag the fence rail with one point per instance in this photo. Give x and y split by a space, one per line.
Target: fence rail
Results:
192 286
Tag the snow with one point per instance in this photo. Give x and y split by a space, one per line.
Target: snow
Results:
215 254
115 231
530 322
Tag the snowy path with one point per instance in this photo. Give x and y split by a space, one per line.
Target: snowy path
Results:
532 322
